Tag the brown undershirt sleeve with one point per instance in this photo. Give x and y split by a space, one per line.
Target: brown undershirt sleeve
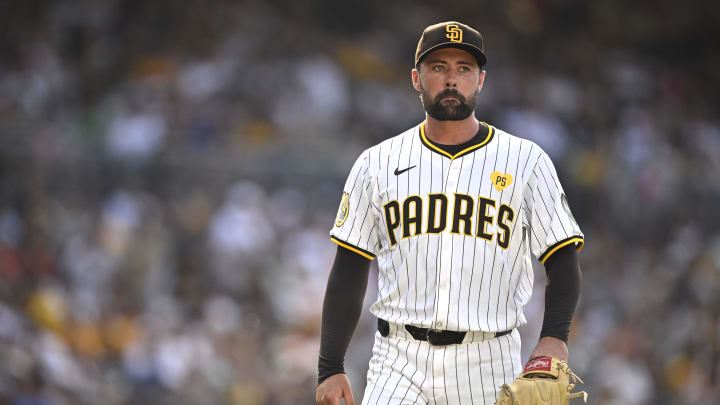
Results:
562 292
341 309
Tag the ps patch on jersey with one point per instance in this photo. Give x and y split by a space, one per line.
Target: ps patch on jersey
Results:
501 180
343 210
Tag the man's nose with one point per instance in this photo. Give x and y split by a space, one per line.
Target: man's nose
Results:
451 79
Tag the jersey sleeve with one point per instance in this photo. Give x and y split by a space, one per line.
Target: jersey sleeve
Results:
550 222
355 225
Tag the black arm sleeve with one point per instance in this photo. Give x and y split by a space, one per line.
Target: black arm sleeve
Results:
341 309
562 292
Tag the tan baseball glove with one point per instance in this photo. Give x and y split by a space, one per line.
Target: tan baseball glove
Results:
545 380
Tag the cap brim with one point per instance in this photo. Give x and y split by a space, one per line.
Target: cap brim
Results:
473 50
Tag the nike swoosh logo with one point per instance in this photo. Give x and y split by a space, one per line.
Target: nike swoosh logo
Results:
399 172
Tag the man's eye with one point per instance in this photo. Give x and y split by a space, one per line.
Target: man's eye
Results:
464 69
438 68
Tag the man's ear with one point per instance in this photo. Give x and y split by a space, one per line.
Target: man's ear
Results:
482 80
415 76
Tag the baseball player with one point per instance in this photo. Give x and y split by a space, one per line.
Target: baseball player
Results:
452 209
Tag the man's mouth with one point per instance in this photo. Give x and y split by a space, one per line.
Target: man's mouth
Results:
453 97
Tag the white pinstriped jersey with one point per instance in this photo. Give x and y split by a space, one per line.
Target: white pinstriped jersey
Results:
454 234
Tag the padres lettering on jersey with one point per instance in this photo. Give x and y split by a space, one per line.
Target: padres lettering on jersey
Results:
453 234
436 217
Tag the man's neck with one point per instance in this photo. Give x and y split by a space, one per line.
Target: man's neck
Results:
451 132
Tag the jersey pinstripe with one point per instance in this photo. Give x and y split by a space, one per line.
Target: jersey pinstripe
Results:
454 234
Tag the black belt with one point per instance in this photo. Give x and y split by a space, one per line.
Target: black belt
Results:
435 337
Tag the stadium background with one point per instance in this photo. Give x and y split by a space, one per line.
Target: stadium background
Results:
169 172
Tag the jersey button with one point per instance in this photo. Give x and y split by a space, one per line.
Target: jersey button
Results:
440 324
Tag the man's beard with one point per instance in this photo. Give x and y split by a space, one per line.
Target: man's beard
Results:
448 110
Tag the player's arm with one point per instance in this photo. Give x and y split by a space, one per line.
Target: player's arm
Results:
561 297
341 310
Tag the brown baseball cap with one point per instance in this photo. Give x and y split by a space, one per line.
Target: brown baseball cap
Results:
451 34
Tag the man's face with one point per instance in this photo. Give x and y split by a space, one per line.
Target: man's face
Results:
448 81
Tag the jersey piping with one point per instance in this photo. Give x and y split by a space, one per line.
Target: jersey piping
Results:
463 152
349 246
554 248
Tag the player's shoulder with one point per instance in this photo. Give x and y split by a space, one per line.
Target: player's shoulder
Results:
394 143
526 147
376 156
392 146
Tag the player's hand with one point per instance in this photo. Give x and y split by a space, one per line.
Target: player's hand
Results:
551 346
332 389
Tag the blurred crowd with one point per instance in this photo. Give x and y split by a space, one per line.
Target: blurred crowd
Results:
169 173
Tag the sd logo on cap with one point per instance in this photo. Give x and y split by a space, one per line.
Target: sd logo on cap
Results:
451 34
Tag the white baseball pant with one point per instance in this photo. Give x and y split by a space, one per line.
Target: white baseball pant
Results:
406 371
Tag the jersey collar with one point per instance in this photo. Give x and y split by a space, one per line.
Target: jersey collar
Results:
427 143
